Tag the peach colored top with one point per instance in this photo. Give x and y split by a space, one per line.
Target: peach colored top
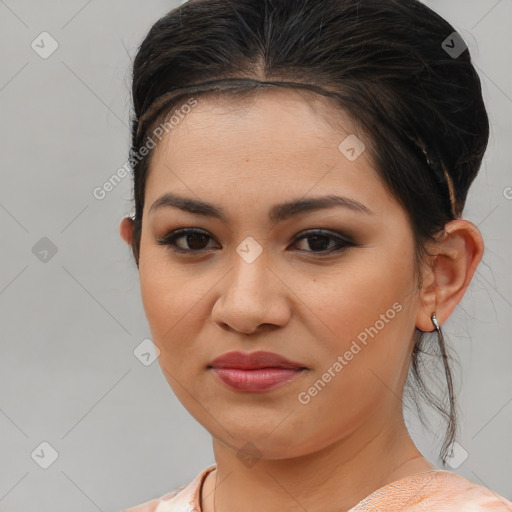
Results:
433 491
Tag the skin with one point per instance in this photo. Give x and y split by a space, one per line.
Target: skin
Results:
294 300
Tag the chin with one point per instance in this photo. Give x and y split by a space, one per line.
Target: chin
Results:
270 443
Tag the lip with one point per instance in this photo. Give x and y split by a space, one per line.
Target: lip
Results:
255 371
253 361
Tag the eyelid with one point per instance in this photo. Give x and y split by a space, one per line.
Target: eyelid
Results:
343 241
323 232
169 238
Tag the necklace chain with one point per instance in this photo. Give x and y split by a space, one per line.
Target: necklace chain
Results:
215 485
215 490
202 501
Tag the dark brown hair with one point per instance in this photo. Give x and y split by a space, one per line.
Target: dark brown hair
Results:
419 108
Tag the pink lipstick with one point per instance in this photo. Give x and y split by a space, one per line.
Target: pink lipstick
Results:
256 371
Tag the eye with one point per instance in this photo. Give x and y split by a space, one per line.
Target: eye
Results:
194 240
320 241
193 237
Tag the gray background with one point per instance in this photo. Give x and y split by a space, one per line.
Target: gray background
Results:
70 323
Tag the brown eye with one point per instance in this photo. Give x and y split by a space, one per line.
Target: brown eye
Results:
321 241
192 240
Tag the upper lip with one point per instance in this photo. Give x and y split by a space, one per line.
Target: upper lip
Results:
253 360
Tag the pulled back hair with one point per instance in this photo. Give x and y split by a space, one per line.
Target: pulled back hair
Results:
420 111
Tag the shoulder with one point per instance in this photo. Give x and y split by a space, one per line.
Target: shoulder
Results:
182 499
461 494
435 491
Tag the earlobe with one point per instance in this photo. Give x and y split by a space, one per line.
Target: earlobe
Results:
126 230
457 256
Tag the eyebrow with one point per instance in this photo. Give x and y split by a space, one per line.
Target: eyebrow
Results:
277 213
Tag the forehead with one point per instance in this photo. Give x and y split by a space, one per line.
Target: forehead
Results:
257 108
277 139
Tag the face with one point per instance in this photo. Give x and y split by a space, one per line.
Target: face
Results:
340 302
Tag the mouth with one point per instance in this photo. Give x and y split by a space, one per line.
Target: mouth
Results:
256 371
262 379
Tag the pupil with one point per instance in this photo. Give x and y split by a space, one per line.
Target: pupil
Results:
319 246
316 242
195 236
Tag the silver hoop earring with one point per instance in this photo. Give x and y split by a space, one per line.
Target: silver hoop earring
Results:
434 321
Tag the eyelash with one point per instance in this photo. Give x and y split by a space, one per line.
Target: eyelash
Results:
169 240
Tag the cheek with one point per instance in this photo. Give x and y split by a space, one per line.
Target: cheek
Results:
166 295
366 313
177 303
362 289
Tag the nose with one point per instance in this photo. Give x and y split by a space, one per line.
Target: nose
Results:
253 297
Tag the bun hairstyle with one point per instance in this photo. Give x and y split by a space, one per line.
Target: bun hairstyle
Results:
418 108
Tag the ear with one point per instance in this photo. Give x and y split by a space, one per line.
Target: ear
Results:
455 258
126 230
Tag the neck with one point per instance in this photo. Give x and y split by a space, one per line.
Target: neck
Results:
334 478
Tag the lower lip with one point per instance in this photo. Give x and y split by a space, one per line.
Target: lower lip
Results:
263 379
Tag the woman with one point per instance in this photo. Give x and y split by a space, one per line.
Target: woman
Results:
300 171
